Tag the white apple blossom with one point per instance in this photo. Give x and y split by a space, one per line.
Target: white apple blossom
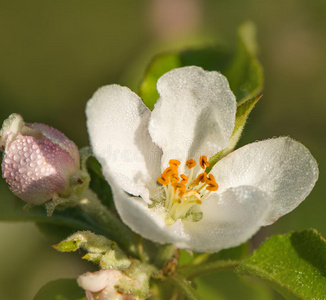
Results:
155 163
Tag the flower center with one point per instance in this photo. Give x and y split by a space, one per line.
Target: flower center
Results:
185 194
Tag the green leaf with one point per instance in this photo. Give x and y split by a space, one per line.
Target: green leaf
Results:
61 289
241 67
293 264
226 285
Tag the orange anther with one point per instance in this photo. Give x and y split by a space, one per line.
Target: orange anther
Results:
181 193
163 180
203 161
212 185
212 188
184 179
202 177
180 186
174 163
170 171
191 163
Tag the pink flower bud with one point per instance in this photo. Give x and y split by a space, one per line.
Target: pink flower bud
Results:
38 160
106 285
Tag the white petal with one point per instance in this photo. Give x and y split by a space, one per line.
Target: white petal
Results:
194 115
117 123
282 167
148 222
94 282
229 219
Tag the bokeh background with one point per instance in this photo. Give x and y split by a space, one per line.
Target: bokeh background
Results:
55 54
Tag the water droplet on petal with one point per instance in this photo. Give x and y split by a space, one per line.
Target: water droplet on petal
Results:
16 157
22 170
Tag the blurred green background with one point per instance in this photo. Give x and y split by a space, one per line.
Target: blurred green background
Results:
55 54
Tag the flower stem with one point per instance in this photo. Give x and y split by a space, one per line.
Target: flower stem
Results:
117 231
184 286
208 267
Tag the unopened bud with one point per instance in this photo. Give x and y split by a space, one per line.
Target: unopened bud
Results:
108 285
38 160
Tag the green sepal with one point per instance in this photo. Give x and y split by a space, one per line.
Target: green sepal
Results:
293 264
243 111
61 289
100 250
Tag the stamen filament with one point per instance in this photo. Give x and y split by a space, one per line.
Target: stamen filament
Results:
185 194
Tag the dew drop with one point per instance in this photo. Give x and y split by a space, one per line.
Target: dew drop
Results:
22 170
16 158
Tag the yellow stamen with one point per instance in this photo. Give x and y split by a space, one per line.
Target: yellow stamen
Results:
212 184
176 200
184 179
163 180
172 173
202 177
174 163
192 193
212 188
203 161
191 163
178 185
183 192
169 171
